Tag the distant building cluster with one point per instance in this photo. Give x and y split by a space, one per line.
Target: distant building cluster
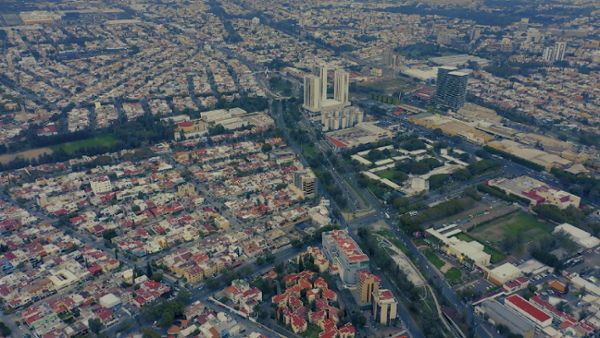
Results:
230 120
555 53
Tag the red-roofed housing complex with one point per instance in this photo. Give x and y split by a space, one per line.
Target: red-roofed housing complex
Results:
307 299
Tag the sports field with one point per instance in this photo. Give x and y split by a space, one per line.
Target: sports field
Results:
519 225
515 224
103 141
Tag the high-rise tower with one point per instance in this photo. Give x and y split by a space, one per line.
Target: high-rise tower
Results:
451 87
341 81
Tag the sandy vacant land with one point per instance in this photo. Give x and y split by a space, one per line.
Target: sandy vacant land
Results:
26 155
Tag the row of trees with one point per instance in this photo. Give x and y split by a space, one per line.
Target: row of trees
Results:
553 213
583 185
501 194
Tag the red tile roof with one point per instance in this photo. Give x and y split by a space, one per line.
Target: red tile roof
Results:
528 308
337 143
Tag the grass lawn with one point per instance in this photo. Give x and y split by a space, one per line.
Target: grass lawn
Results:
453 275
522 222
496 255
433 258
104 141
393 239
392 175
419 241
309 150
312 331
388 173
464 237
378 189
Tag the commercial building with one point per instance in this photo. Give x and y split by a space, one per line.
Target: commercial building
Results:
530 311
535 191
462 250
451 90
458 59
390 58
531 154
384 306
452 127
362 133
305 182
500 314
345 253
503 273
583 238
368 285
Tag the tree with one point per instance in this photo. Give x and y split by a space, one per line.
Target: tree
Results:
279 268
358 319
95 325
270 258
157 276
213 283
148 270
5 331
183 296
570 214
109 234
564 307
150 333
266 148
167 318
300 264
